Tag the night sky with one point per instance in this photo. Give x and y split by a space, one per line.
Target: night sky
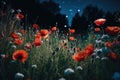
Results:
70 7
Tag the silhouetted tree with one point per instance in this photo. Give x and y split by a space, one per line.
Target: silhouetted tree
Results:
110 19
43 13
79 23
91 13
51 6
62 22
117 18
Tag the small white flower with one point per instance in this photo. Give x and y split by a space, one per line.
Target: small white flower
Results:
97 57
19 10
4 2
79 68
12 10
62 78
98 41
12 61
19 75
34 66
97 51
14 46
2 55
68 71
104 58
19 34
105 36
10 42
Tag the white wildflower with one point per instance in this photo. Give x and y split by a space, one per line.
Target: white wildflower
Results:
10 42
34 66
97 57
68 71
98 41
3 2
104 58
105 36
19 10
14 46
2 55
19 34
12 10
79 68
19 76
62 78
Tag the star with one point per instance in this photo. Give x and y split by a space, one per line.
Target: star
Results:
78 10
66 16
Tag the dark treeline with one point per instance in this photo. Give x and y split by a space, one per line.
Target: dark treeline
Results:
47 14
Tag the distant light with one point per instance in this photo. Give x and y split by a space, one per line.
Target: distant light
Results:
66 16
65 26
78 10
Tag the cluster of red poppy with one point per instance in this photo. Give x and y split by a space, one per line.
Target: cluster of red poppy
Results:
16 38
113 30
42 34
22 55
82 55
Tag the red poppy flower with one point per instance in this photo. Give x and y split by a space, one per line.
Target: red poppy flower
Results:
100 22
44 33
114 56
82 55
54 29
19 16
18 41
71 38
109 44
72 30
36 26
90 47
14 35
37 35
20 55
78 57
37 42
97 29
113 30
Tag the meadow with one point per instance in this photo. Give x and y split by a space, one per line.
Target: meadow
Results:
28 52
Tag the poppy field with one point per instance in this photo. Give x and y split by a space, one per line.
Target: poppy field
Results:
30 52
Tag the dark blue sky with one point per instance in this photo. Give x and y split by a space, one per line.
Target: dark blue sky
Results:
70 7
